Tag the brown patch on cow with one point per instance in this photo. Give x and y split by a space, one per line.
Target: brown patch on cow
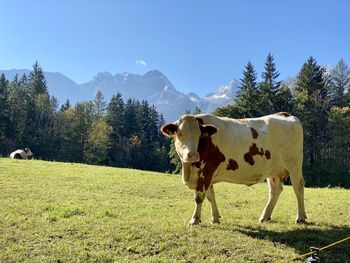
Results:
207 130
254 150
284 114
232 165
200 120
17 156
255 134
211 157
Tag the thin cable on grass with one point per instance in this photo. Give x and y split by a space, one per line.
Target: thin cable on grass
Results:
322 248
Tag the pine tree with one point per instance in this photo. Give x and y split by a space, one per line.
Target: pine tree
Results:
311 107
18 114
65 106
116 119
247 95
269 87
44 135
283 99
83 116
130 115
37 82
197 110
338 173
40 112
340 76
100 105
4 114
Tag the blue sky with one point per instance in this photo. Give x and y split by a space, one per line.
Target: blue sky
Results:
198 45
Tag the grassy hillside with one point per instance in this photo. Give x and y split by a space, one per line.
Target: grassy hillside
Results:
62 212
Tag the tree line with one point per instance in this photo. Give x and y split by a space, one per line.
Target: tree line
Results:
119 133
320 98
126 133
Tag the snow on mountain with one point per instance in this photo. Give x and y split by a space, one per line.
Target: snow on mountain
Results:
194 97
153 86
223 97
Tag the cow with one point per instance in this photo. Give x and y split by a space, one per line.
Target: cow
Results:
21 154
242 151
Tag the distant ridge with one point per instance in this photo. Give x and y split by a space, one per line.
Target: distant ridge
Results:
152 86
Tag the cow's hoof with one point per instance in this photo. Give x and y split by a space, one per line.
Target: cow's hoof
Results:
300 220
215 221
264 219
194 221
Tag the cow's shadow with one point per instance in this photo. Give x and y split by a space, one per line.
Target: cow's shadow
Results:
311 235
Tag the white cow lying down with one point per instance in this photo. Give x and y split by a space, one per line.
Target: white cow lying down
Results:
21 154
242 151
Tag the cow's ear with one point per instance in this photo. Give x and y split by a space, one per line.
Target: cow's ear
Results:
169 129
208 130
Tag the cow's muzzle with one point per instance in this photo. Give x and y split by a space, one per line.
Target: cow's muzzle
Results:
192 157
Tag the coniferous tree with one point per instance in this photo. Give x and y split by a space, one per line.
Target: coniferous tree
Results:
130 115
41 110
82 124
116 119
65 106
283 99
4 115
100 105
197 111
338 172
247 95
69 142
340 76
311 107
37 81
18 114
269 87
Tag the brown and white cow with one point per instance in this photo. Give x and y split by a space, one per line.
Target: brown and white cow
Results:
243 151
21 154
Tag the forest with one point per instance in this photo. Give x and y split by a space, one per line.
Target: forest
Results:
118 133
126 133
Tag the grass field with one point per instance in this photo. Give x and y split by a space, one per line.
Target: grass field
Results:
62 212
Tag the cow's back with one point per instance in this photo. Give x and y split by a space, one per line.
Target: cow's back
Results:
18 154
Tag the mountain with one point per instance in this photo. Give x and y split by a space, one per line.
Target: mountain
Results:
223 96
153 86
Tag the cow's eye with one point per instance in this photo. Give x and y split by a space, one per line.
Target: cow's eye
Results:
180 135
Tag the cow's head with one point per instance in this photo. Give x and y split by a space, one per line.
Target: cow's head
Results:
28 151
186 133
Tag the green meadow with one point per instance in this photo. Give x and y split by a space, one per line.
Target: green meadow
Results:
64 212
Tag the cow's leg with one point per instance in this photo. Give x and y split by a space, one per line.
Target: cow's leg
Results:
275 189
214 209
298 187
196 217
